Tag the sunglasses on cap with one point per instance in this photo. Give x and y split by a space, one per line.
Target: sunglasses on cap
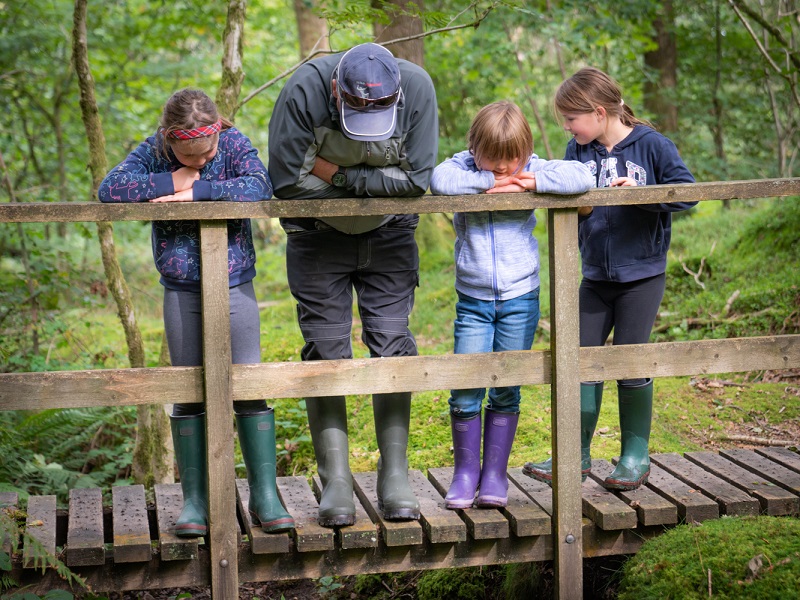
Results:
366 104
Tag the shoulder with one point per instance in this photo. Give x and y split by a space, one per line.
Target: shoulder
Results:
414 78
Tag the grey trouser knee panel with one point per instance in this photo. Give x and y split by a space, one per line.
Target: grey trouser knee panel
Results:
183 327
326 266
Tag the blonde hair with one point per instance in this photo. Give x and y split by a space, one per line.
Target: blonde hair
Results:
188 109
589 88
500 132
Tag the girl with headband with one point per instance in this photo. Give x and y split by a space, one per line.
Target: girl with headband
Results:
197 155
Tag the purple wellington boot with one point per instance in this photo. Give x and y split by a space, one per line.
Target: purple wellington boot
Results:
467 458
498 435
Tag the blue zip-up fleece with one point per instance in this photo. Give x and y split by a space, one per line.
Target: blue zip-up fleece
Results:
496 254
235 174
628 243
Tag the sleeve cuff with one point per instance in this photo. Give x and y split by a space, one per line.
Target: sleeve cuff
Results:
201 190
163 184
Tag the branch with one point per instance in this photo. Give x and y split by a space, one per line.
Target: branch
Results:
757 440
773 31
474 24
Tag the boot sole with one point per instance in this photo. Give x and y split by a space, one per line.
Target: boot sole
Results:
491 502
191 530
458 505
627 486
401 514
337 521
274 526
547 478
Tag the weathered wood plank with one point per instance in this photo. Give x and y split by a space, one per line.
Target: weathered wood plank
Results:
223 527
693 506
85 542
40 525
783 456
482 523
766 468
525 516
606 510
394 533
650 508
8 500
261 542
169 503
40 212
539 492
130 524
21 391
300 502
732 500
439 524
361 534
774 500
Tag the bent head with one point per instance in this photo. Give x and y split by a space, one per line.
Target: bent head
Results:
190 125
500 139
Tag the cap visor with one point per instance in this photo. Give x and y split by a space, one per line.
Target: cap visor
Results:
373 125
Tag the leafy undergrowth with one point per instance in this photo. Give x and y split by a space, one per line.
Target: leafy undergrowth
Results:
727 559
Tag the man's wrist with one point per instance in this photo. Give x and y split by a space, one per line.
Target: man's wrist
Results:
339 179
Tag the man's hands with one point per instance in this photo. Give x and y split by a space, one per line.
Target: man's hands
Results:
324 169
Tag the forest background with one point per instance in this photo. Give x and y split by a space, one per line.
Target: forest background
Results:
720 78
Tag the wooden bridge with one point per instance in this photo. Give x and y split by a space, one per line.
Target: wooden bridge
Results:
131 547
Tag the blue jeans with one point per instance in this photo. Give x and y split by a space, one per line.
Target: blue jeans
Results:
492 326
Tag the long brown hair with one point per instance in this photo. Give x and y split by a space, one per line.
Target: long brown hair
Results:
188 109
589 88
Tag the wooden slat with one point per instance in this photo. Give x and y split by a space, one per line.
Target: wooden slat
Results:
692 505
261 542
299 500
7 500
41 212
564 405
169 503
361 534
394 533
766 468
539 492
650 508
40 525
23 391
525 516
732 501
782 456
130 524
440 525
606 510
482 523
774 500
85 542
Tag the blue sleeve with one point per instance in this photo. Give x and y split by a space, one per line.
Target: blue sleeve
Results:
459 175
245 178
669 168
560 176
142 176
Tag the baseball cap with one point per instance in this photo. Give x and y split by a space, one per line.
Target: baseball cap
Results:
368 81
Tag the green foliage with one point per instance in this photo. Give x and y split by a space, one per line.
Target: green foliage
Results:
471 583
730 558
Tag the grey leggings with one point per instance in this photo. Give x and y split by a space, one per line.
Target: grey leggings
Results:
183 327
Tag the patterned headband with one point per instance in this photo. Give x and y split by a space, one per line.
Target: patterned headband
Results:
190 134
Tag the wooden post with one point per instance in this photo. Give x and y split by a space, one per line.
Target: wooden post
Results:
565 402
217 378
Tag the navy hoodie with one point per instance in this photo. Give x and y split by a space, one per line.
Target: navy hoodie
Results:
628 243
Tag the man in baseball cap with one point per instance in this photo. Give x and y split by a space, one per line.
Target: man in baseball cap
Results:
343 127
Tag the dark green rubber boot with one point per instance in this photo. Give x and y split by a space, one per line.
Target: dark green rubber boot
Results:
591 400
257 439
189 440
327 420
635 419
396 499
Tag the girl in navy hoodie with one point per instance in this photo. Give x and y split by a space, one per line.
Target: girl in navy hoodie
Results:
623 253
497 281
196 155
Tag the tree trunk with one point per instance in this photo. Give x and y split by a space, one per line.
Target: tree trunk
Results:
404 21
312 31
232 71
659 95
149 464
717 129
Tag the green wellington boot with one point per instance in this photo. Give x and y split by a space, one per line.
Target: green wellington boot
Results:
257 439
396 499
635 419
189 440
327 420
591 399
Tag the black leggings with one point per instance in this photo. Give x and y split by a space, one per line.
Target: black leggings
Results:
630 309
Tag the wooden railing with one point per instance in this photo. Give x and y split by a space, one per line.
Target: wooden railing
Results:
564 366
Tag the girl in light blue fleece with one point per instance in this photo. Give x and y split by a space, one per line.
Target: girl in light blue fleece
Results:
497 282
